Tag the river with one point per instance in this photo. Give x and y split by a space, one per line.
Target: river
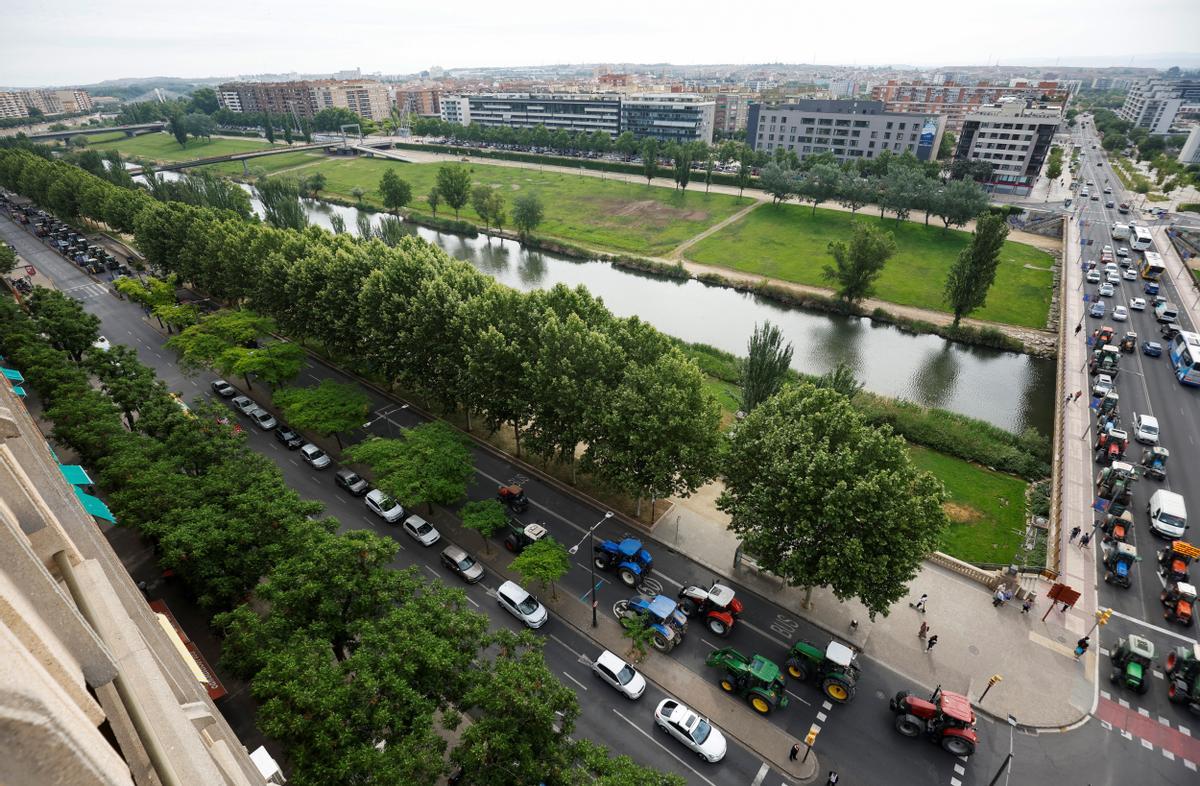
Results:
1008 389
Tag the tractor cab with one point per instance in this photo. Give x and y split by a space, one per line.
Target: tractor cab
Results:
833 668
1129 341
1154 461
1114 483
663 616
1179 599
513 496
946 718
1103 335
1132 661
1117 528
1173 562
1105 360
1109 405
717 605
1119 564
520 535
627 557
1111 445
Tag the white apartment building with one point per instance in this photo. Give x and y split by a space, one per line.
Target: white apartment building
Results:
1154 104
1014 136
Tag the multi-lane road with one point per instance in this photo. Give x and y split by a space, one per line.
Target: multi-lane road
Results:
857 739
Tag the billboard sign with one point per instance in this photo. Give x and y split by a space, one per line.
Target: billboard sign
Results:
925 151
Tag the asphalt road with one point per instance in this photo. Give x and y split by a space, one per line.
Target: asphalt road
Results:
849 731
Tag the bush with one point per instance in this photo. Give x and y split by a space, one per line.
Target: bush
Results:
444 224
651 266
1188 207
1039 499
1005 210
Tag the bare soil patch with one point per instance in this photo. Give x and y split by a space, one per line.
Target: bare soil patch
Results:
961 514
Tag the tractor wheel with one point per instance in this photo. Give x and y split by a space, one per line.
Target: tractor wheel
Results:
688 607
1108 577
1177 693
909 725
601 563
511 545
727 685
1143 686
798 669
661 643
837 689
628 577
1172 662
718 626
761 703
957 746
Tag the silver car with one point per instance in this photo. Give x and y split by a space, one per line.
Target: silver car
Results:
619 674
263 419
244 404
315 457
460 562
519 603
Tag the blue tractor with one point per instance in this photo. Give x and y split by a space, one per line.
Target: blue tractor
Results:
662 615
627 557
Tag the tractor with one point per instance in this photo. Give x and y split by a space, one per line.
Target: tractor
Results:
1111 445
1154 462
1117 528
1105 360
1183 676
627 557
1114 484
1103 335
1132 661
756 679
1108 407
946 718
1129 342
717 605
513 496
834 668
1180 600
1118 562
1173 561
518 535
663 616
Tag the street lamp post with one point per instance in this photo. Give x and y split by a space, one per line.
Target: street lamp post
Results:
385 415
592 561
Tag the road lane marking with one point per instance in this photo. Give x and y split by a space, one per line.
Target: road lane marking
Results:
1156 628
669 752
568 647
436 575
800 699
572 679
762 773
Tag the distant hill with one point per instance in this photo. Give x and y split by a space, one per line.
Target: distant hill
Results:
142 88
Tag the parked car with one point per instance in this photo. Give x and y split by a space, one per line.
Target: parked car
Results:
288 437
522 605
223 388
102 344
263 419
421 530
1137 303
315 457
619 674
1152 348
244 404
1093 276
352 482
691 728
384 506
458 561
1145 429
1120 314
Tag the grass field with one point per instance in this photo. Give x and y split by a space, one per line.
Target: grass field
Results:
789 243
271 164
608 214
163 147
986 509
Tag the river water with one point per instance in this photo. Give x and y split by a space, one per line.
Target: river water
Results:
1008 389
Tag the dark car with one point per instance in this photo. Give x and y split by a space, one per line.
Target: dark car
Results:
352 482
290 438
1152 348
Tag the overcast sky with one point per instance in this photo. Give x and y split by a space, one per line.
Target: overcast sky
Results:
84 41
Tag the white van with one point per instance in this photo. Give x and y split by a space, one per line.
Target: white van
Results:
1120 231
1165 312
1168 514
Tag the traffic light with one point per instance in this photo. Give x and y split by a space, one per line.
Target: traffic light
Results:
1103 615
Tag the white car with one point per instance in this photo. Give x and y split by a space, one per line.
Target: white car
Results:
1111 267
101 343
1106 250
1093 276
1113 278
1120 314
315 457
619 674
223 388
691 728
1145 429
383 506
262 419
1122 251
1102 385
244 404
519 603
421 530
1129 274
1137 303
1107 290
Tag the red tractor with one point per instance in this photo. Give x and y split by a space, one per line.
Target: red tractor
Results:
1111 446
946 718
717 605
514 497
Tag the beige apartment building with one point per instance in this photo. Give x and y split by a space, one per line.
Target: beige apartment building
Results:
303 99
424 102
731 113
955 101
17 103
1015 137
96 686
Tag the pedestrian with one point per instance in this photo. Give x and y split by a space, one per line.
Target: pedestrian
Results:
1084 540
1068 399
924 630
1027 605
920 604
1078 328
1081 647
929 644
795 752
1074 533
833 778
1078 394
1000 597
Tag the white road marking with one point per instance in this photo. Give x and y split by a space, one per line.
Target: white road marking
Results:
1189 764
1105 694
670 753
1164 721
472 601
436 575
1123 703
1106 725
1184 730
959 769
567 647
762 773
955 782
1170 756
822 717
827 706
799 698
708 643
1146 744
1156 628
1158 674
1126 734
1144 712
572 679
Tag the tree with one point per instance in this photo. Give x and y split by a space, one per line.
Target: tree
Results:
8 259
269 127
275 363
280 198
778 181
854 191
682 170
357 192
858 263
545 561
485 516
820 184
434 199
204 100
178 128
710 163
626 144
958 201
481 202
314 184
527 213
328 408
68 327
287 132
636 628
429 465
766 367
744 170
900 191
79 140
396 192
200 125
974 270
650 159
946 146
454 186
815 493
840 379
496 210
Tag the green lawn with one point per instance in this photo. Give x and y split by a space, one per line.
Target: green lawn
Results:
163 147
602 213
270 164
111 136
790 243
986 509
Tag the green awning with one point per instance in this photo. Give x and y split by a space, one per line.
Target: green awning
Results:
75 474
20 391
13 374
95 506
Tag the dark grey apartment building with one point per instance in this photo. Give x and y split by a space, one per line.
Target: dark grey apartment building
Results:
848 129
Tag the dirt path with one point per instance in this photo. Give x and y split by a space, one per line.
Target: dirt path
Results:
677 252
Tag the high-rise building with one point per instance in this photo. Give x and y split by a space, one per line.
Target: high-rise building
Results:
848 129
669 117
1154 104
12 105
49 102
426 102
955 101
731 112
1014 136
572 112
303 99
364 97
1190 154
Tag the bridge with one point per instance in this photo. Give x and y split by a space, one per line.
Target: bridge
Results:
131 130
370 147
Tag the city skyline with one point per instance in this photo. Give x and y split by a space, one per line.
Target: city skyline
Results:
128 39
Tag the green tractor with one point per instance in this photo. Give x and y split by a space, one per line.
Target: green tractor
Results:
834 668
1132 661
1183 676
757 679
